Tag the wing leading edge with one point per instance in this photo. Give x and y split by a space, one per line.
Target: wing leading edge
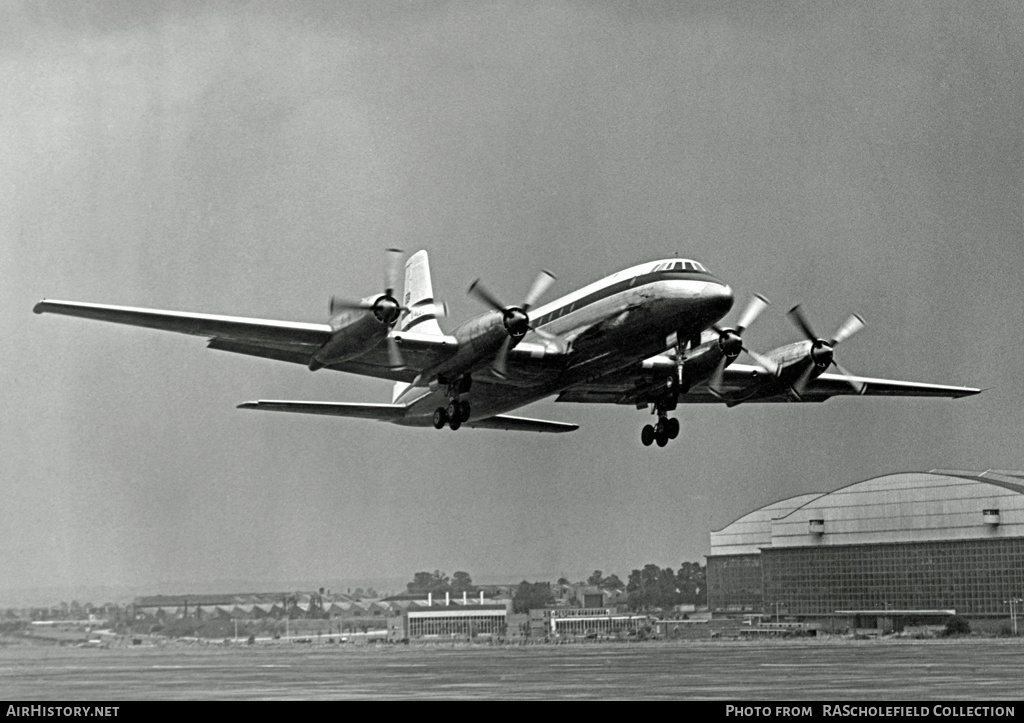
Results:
396 414
208 325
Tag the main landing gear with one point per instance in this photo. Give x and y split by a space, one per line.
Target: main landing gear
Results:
458 410
665 429
453 415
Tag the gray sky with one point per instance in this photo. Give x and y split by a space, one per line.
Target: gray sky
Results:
255 159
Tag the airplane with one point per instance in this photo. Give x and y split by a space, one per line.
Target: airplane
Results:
647 336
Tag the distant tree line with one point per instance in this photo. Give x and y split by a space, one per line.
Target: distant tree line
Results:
654 588
650 588
438 583
532 595
612 582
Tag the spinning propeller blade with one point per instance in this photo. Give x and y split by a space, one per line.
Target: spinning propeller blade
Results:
515 318
822 353
730 341
385 307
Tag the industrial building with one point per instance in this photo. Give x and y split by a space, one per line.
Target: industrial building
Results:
901 549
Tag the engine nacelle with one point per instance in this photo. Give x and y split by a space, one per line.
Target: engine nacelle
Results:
480 339
356 331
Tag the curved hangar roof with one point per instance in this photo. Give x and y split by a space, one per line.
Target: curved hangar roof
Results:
906 507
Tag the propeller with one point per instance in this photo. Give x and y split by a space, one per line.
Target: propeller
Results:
823 352
515 319
385 308
730 341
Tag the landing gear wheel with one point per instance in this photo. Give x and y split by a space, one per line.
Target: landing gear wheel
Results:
647 435
454 423
464 410
661 439
672 428
454 412
440 418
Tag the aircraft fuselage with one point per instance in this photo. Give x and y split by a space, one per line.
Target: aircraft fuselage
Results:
610 324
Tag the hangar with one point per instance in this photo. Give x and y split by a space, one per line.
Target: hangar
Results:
903 546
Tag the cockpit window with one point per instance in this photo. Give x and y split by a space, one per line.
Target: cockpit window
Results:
680 266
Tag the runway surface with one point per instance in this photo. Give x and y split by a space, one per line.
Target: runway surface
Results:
880 670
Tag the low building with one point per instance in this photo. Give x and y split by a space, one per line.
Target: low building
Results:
584 622
449 621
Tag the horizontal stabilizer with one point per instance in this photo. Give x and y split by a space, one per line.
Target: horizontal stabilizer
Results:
382 412
521 424
396 413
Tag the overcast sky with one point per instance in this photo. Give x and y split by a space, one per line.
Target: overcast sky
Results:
253 159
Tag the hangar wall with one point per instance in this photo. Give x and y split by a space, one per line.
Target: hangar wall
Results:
944 539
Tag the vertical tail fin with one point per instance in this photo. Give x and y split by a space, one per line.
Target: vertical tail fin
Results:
419 297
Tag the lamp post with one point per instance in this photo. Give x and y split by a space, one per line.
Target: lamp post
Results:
1013 602
777 606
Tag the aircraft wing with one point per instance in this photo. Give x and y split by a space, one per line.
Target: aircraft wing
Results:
209 325
830 385
749 384
288 341
396 413
742 383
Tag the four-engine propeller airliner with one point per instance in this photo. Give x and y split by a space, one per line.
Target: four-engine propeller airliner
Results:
648 336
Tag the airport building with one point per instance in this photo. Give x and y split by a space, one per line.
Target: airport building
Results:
467 620
901 549
582 622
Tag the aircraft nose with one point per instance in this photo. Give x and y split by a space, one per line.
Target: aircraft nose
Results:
719 299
